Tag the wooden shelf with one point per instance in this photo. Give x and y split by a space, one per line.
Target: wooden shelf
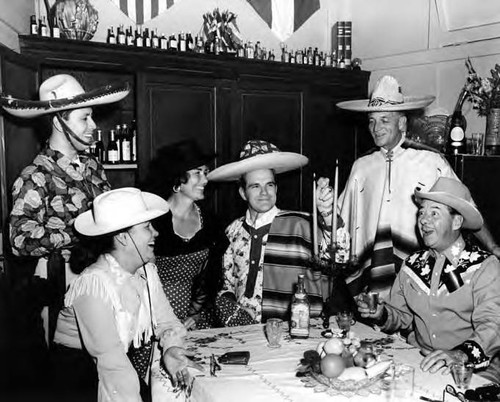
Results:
120 166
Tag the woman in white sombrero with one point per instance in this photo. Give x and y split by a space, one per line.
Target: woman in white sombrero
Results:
116 302
384 180
62 180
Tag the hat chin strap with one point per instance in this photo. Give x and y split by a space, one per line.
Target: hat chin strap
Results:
69 133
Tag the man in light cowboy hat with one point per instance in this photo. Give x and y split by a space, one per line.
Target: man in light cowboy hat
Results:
385 179
447 294
62 180
269 247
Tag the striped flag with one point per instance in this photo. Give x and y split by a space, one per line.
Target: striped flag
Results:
284 17
141 11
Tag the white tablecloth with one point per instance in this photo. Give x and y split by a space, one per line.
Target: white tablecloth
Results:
270 374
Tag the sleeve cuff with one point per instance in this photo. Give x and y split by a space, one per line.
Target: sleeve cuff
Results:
383 318
475 354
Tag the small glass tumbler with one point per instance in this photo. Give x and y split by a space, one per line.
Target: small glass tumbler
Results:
462 374
402 383
345 319
371 299
274 331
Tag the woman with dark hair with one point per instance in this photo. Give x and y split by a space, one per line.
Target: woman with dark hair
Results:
190 244
117 302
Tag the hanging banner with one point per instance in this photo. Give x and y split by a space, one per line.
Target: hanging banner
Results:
284 17
141 11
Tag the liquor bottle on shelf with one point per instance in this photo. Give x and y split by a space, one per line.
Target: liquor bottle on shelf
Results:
189 42
250 53
155 41
292 57
271 56
130 37
112 150
456 143
99 147
126 144
33 25
172 42
120 36
138 40
118 138
111 39
299 325
146 39
55 31
133 149
199 47
299 57
163 42
181 42
44 30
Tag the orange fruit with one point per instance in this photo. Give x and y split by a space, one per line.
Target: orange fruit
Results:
334 345
332 365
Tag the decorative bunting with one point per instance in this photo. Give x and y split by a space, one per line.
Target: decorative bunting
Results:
141 11
284 17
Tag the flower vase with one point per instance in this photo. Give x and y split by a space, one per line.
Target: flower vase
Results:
492 137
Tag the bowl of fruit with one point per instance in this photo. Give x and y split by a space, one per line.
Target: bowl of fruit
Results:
343 366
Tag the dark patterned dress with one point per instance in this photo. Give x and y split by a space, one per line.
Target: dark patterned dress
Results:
190 269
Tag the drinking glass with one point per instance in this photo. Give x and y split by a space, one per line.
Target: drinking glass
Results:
462 374
371 299
477 143
402 383
345 319
274 330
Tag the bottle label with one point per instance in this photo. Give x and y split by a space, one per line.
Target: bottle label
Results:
126 151
113 156
457 134
299 325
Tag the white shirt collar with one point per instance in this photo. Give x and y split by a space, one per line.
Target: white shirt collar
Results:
262 219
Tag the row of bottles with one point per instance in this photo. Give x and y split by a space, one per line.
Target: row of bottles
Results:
147 38
41 28
121 145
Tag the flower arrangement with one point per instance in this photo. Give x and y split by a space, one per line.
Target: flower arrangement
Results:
484 93
222 26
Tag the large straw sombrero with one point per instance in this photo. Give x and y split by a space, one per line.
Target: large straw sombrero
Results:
257 154
387 97
63 92
455 194
119 209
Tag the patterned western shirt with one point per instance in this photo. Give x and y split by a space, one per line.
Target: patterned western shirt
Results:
450 300
47 197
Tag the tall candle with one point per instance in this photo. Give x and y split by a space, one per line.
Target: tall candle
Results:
335 204
315 219
354 218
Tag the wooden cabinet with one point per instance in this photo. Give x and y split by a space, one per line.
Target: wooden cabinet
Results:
222 102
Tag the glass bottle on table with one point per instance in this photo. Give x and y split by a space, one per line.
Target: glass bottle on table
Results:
300 311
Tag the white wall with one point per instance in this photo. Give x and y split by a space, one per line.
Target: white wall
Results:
410 40
14 19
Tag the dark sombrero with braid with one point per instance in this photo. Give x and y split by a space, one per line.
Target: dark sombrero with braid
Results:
387 97
63 92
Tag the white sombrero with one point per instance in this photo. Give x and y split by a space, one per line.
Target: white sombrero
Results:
455 194
257 154
63 92
120 209
387 97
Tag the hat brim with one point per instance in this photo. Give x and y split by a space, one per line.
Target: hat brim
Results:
409 103
157 206
30 109
280 162
472 217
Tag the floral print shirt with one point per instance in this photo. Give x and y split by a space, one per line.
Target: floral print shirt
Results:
47 197
450 300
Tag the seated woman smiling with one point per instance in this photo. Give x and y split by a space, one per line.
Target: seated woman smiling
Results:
117 302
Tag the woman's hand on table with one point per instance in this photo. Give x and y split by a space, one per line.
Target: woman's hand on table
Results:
440 359
176 362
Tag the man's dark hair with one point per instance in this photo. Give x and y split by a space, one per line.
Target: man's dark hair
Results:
242 182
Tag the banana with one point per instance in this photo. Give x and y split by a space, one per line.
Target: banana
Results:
378 368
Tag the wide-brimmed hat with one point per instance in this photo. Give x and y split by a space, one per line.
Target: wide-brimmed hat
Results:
456 195
387 97
120 209
257 154
63 92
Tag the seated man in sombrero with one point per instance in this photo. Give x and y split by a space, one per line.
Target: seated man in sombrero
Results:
268 247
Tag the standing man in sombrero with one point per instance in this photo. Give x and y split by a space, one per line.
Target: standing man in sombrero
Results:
62 180
269 247
385 180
